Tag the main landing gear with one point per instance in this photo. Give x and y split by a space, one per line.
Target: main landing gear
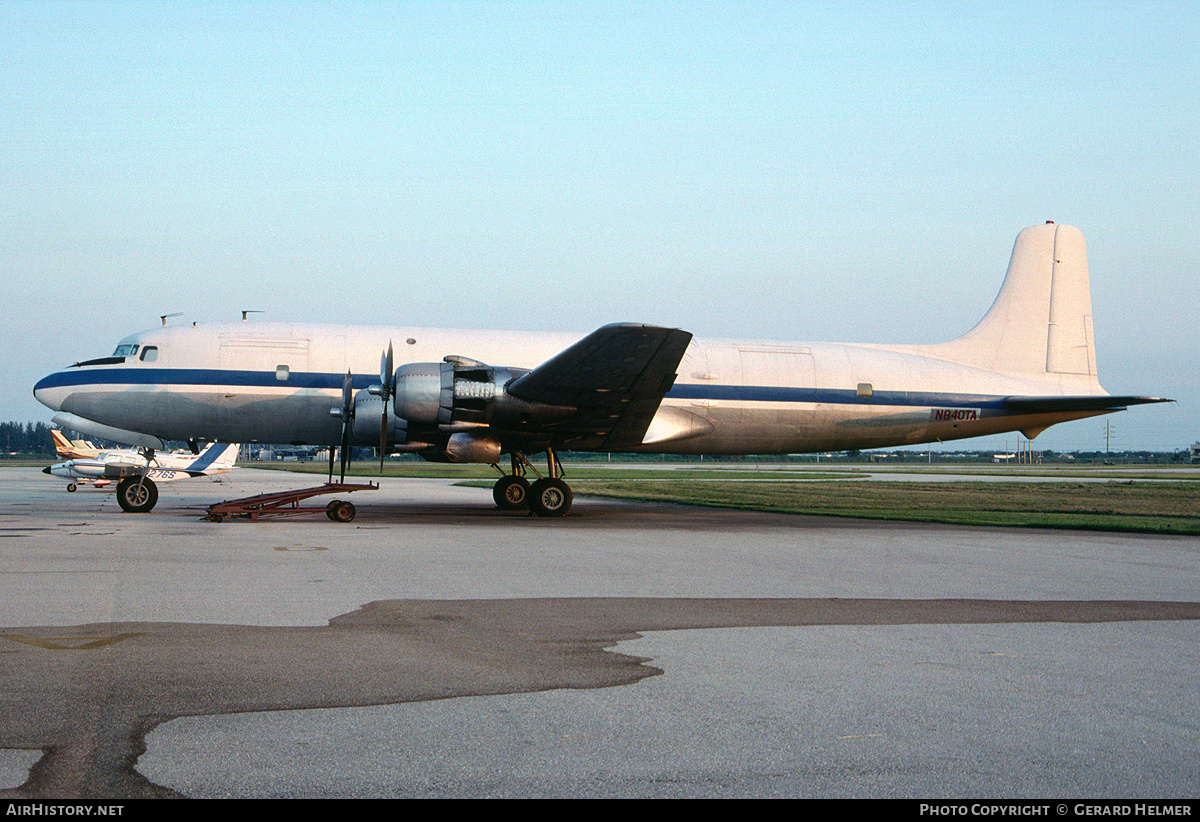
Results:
547 496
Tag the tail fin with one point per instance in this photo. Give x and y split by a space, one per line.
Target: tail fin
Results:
62 445
215 457
1041 321
228 456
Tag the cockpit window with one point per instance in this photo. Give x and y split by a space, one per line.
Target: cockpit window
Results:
149 353
126 350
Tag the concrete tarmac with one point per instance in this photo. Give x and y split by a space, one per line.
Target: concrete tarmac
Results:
438 647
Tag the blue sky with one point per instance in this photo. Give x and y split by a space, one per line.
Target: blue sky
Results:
789 171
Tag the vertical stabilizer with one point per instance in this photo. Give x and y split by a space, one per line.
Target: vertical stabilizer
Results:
1041 321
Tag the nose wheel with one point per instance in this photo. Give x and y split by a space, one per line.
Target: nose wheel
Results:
136 495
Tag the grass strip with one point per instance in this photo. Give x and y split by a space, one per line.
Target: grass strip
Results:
1148 507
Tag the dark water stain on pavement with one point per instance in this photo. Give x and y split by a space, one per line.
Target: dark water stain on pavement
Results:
88 695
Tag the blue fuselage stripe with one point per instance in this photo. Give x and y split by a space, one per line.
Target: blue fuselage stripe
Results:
836 396
211 379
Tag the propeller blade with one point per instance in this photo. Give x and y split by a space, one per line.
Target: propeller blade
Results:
385 381
385 371
345 450
347 415
382 436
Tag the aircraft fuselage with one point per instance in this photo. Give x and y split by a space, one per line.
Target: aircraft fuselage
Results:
274 382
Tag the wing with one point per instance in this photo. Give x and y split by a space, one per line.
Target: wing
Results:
615 378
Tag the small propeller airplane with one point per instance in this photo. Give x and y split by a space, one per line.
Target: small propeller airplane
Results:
70 449
136 471
475 396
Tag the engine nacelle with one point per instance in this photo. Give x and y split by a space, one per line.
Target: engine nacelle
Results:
460 395
468 446
452 411
370 414
432 444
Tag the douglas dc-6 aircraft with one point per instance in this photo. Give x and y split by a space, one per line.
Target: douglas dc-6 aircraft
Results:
136 473
474 396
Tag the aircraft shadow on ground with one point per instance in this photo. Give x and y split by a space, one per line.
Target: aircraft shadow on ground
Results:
87 696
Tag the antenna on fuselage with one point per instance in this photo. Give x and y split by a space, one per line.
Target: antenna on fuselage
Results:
165 317
251 311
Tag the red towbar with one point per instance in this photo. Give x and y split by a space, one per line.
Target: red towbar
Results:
287 504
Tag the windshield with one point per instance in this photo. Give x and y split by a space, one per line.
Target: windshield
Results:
126 350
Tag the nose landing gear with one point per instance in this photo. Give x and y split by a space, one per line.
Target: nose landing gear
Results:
137 495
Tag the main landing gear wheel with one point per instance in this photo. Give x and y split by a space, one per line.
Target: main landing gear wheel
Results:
136 495
511 493
550 497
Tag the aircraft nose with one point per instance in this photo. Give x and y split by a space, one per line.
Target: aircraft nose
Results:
46 470
50 392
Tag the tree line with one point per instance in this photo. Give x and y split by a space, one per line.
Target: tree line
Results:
29 439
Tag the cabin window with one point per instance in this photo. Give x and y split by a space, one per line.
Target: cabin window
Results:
282 372
149 353
865 390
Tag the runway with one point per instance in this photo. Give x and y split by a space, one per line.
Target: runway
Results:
437 647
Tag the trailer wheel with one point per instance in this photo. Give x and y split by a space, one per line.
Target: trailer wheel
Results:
344 512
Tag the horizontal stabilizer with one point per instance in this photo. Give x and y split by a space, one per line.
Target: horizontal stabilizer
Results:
1041 405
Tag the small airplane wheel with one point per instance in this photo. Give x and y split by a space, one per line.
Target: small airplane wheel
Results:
136 496
550 497
511 493
344 512
71 487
